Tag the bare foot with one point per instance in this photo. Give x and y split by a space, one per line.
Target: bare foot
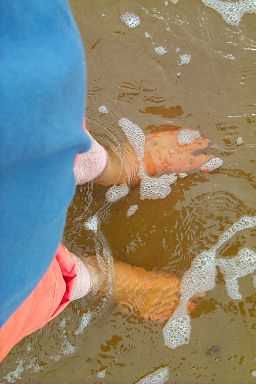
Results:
169 151
175 151
147 294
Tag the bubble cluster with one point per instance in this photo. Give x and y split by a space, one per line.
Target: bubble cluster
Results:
102 374
92 223
130 19
12 376
212 164
156 187
188 136
67 348
182 175
84 322
134 135
185 59
160 50
117 192
200 278
159 376
246 222
103 109
131 210
148 35
177 331
232 12
233 268
239 141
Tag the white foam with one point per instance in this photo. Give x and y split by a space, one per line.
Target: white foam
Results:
246 222
102 374
212 164
156 187
151 187
159 376
233 268
103 109
131 210
182 175
33 365
67 348
232 12
134 135
85 320
185 59
254 281
239 141
177 330
130 19
200 278
12 376
253 374
187 136
92 223
117 192
166 3
148 35
160 50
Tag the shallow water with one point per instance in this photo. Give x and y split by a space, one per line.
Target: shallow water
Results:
214 91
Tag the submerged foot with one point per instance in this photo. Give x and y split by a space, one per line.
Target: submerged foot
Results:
178 151
147 294
165 152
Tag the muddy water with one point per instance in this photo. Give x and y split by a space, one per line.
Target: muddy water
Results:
216 93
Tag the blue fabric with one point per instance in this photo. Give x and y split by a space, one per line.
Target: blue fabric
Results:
42 101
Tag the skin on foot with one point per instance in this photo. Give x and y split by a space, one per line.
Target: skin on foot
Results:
165 152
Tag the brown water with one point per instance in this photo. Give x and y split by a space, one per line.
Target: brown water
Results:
215 93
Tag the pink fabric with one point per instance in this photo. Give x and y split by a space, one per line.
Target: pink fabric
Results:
52 294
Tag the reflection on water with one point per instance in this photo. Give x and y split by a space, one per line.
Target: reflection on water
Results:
213 91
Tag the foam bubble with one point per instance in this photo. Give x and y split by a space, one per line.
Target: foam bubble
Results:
187 136
200 278
159 376
160 50
85 320
67 348
117 192
102 374
254 374
177 331
130 19
182 175
148 35
246 222
103 109
212 164
131 210
33 365
12 376
233 268
232 12
185 59
134 135
156 187
239 141
92 223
